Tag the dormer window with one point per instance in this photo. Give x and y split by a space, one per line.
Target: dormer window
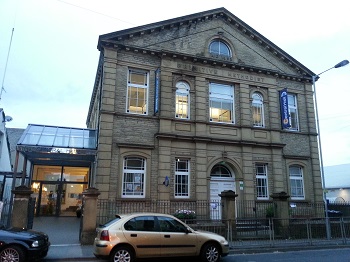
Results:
218 47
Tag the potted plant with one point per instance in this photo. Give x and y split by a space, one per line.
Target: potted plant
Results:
184 214
270 212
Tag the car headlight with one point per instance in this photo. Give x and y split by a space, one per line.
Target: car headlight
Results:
35 243
224 242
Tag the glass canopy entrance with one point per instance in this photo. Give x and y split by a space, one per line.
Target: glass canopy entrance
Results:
61 160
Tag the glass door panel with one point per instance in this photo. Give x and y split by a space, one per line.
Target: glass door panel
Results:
47 199
72 198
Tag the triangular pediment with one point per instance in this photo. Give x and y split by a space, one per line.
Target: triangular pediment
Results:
187 38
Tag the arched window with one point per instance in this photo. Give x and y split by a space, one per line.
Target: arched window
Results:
296 182
218 47
182 109
258 110
220 171
134 172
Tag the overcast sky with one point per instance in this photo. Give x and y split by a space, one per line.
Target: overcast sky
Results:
53 57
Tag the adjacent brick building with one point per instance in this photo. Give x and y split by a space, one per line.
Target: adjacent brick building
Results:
188 107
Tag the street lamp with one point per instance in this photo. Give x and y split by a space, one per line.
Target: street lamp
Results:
314 78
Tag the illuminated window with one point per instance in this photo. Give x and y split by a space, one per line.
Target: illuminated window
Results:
218 47
261 181
258 110
221 103
182 174
182 100
296 182
134 172
137 92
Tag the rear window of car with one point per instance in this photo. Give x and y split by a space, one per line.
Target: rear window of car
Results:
142 223
110 222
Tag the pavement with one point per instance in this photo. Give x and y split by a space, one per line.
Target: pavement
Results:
64 238
65 245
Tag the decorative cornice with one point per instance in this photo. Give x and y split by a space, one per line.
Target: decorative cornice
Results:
207 61
218 141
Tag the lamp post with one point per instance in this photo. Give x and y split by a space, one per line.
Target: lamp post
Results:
314 78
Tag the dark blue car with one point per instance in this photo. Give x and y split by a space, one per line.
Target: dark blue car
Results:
17 245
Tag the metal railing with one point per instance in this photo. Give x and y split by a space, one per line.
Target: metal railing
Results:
271 232
4 214
252 227
107 209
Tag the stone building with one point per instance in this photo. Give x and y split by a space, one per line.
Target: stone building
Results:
188 107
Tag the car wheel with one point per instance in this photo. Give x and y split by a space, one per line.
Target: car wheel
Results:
122 254
210 253
12 254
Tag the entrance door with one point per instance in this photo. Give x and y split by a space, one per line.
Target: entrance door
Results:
216 187
47 199
58 190
222 178
54 199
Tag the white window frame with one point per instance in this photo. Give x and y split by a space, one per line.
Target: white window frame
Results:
221 96
182 179
296 178
293 112
261 181
134 179
182 100
223 48
258 110
137 105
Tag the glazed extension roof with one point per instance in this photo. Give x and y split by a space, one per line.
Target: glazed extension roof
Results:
219 13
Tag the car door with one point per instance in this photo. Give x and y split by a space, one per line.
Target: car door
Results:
142 233
176 241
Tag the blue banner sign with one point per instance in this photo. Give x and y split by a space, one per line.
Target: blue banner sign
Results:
156 91
284 109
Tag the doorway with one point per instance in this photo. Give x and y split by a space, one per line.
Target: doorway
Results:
58 190
221 178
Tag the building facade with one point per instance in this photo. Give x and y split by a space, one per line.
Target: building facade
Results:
188 107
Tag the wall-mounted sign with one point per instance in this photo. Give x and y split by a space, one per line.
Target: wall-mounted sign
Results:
156 91
284 109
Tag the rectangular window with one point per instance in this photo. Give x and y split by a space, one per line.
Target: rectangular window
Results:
134 177
182 174
296 182
137 92
261 181
293 112
221 103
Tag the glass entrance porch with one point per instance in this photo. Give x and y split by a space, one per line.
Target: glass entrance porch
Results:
60 161
58 189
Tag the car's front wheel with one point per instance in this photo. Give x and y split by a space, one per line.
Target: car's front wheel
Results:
122 254
210 253
12 254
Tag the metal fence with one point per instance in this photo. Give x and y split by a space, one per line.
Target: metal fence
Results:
273 232
107 209
252 227
205 209
4 213
296 231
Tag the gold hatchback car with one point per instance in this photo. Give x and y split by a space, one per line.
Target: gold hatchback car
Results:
153 235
